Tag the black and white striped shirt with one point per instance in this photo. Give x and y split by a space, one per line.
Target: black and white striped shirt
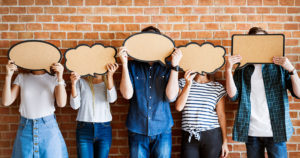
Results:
199 113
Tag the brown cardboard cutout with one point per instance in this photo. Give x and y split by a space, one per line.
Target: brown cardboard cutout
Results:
86 60
259 49
204 58
149 46
34 55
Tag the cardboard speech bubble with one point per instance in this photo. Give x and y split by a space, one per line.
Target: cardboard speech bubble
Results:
149 46
34 55
86 60
204 58
257 49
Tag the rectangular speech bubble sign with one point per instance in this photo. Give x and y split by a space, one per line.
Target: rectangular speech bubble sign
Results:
257 49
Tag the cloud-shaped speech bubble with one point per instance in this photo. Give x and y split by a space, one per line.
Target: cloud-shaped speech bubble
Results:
34 55
204 58
86 60
257 49
149 46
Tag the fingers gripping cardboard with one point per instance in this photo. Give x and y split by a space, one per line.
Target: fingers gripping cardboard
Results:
86 60
259 49
148 46
204 58
34 55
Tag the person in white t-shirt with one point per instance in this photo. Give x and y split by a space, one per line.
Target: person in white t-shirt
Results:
92 96
262 120
38 134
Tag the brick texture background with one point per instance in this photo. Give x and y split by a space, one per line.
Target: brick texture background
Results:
67 23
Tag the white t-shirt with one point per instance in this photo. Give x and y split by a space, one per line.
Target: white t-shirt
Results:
37 94
260 124
88 111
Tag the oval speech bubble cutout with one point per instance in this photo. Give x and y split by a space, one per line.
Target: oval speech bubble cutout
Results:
204 58
86 60
257 49
34 55
149 46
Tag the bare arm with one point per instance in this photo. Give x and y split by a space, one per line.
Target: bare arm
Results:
112 68
230 85
172 86
286 64
9 94
60 90
220 108
184 93
126 88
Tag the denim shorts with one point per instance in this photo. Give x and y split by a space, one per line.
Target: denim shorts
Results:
39 138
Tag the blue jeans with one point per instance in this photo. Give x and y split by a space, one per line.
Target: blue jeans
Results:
39 138
157 146
93 139
256 148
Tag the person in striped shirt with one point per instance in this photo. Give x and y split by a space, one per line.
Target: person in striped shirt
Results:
203 117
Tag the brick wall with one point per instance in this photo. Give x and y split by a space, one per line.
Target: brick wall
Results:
67 23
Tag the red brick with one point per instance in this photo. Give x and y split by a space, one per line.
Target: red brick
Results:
83 27
211 26
9 35
151 11
157 3
78 19
9 2
189 2
25 35
227 26
107 35
33 27
118 11
58 35
179 27
35 10
287 2
4 10
74 35
75 2
168 10
275 26
124 2
196 26
232 10
26 2
100 27
204 34
142 19
110 19
93 19
158 19
221 34
222 18
91 35
67 27
9 18
222 2
17 27
50 26
4 27
51 10
108 2
262 10
17 10
254 18
270 2
116 27
92 2
41 35
184 10
126 19
174 18
188 35
42 2
60 18
68 10
26 18
173 2
247 10
236 18
59 2
293 10
291 26
278 10
254 2
141 2
208 18
135 10
82 10
132 27
205 2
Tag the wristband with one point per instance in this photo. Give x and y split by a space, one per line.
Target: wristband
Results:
61 82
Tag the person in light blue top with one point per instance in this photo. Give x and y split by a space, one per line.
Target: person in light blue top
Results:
92 95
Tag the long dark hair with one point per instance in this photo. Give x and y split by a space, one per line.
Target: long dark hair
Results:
255 30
